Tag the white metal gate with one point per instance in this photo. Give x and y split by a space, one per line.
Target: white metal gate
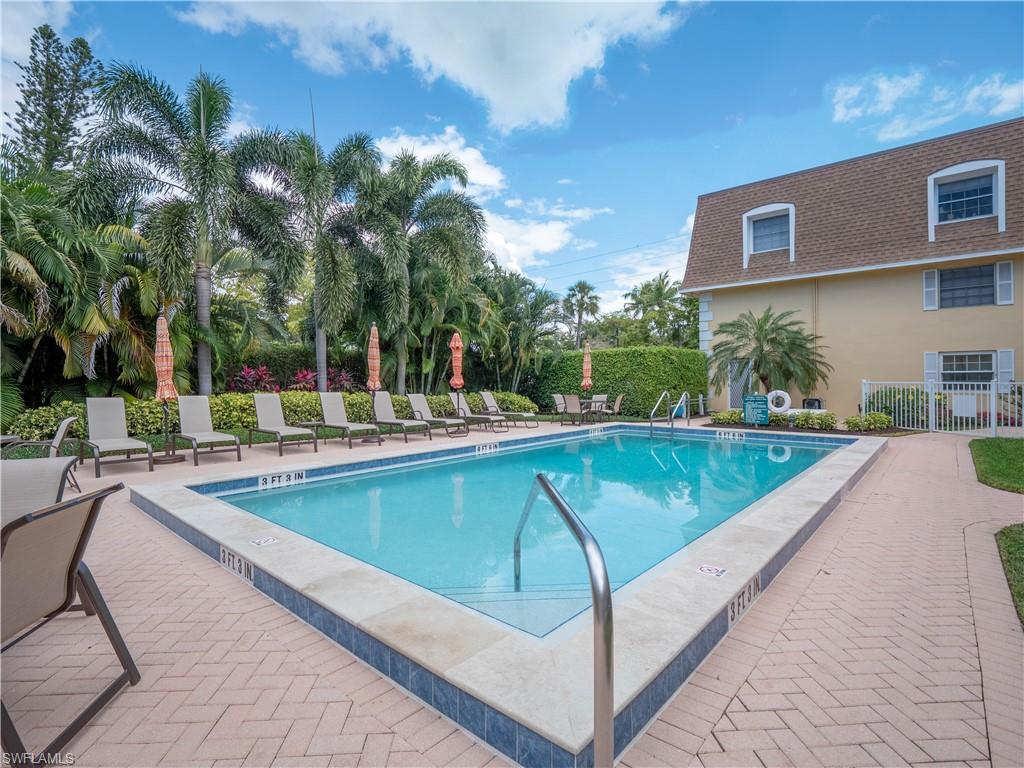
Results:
990 408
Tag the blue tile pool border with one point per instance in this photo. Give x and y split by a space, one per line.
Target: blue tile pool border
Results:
506 735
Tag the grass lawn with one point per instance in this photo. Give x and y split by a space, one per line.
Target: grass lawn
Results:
1011 549
999 462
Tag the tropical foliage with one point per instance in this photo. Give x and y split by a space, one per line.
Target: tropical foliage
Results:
269 254
778 350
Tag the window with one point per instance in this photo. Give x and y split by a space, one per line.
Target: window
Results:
771 234
769 227
967 286
968 190
967 367
965 199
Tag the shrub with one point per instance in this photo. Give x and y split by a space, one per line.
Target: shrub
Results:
233 411
731 416
257 379
639 373
910 403
854 423
342 381
822 420
778 420
872 422
304 380
284 360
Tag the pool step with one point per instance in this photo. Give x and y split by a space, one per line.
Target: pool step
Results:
475 595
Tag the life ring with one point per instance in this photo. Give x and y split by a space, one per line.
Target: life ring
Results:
777 394
779 458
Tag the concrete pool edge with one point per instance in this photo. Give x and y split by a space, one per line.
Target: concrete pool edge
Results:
528 698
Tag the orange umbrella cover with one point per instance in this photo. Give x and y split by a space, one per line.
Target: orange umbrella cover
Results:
373 360
164 359
587 372
455 345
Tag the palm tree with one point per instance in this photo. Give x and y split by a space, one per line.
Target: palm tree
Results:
180 152
778 350
407 222
580 302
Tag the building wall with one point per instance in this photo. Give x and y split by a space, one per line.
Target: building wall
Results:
874 326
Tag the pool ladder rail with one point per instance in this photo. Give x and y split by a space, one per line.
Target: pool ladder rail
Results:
683 402
601 595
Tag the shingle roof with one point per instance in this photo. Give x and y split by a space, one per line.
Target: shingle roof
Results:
863 212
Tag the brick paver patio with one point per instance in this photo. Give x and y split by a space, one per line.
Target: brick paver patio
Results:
889 640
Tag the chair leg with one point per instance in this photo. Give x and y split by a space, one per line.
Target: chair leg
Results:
238 448
13 745
149 454
280 446
195 453
96 460
315 442
74 481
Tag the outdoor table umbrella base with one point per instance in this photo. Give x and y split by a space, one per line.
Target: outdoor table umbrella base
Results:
168 457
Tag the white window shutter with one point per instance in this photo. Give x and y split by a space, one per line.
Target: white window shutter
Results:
1004 282
931 366
1004 369
930 289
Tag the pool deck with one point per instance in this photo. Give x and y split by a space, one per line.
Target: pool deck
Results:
889 639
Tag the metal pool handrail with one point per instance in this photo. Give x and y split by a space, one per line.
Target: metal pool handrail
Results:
654 410
601 594
684 401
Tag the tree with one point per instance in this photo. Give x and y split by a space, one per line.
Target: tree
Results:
55 89
669 316
180 152
580 302
777 348
407 221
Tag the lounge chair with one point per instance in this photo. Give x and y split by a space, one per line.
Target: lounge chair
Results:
559 404
270 421
30 484
108 433
332 404
40 570
197 428
491 405
486 420
421 410
384 414
53 446
574 411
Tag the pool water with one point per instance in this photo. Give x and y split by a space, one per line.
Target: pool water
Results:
448 526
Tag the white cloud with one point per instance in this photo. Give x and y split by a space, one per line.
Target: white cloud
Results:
18 20
514 202
485 179
432 117
583 244
538 206
910 104
241 119
518 243
519 58
565 181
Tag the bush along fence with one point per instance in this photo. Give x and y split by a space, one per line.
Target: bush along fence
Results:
236 411
821 421
639 373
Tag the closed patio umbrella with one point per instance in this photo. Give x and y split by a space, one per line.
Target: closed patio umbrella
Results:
163 358
456 382
373 369
587 383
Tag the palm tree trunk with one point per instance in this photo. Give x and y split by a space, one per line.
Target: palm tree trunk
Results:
204 363
320 343
579 329
402 358
28 360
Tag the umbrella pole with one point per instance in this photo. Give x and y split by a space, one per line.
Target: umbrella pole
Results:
168 457
373 417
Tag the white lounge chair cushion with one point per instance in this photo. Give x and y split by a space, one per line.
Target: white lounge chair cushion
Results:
205 438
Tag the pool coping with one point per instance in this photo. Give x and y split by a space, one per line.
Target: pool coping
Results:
528 697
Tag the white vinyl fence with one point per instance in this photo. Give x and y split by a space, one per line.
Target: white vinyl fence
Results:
989 408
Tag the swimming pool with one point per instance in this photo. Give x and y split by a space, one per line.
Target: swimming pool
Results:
448 525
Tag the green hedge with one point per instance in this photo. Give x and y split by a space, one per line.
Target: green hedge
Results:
283 360
639 373
233 411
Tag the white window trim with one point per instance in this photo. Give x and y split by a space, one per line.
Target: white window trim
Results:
930 294
994 353
965 171
1008 266
767 212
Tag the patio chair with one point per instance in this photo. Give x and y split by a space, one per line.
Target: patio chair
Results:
615 410
559 404
108 433
486 420
40 570
384 413
332 404
53 446
491 404
270 421
30 484
574 411
197 428
597 406
421 410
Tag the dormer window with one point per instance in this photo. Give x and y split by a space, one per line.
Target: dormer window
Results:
769 228
973 190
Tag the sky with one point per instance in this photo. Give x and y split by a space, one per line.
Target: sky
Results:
588 129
